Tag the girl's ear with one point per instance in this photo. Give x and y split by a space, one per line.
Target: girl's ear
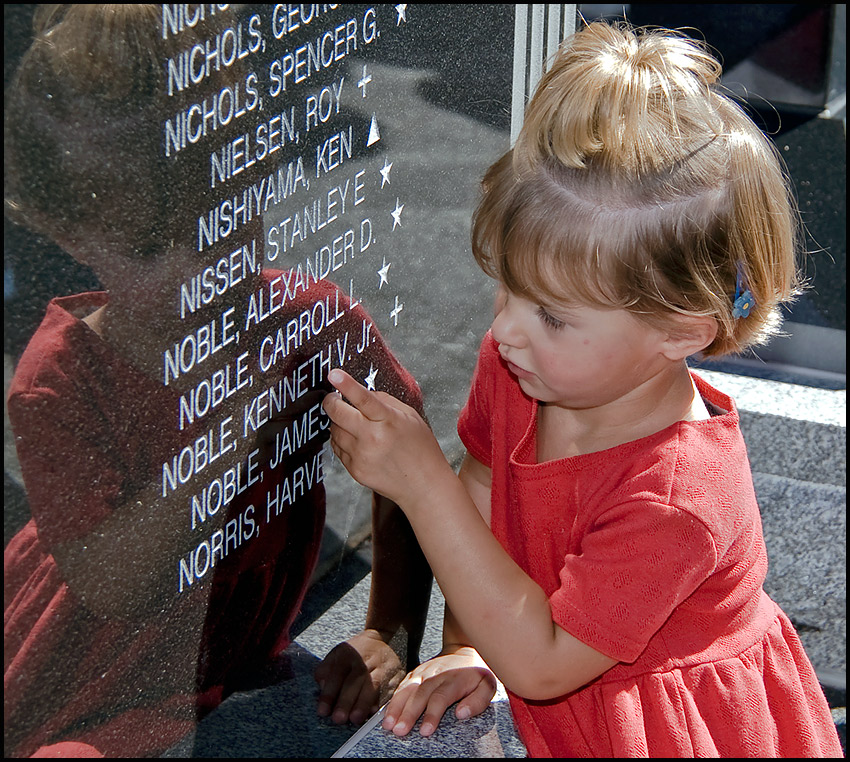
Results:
688 335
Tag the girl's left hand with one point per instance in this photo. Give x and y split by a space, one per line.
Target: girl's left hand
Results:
457 674
383 443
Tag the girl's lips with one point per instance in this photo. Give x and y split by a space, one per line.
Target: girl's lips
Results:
517 371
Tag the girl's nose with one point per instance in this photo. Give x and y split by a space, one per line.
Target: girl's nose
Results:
506 328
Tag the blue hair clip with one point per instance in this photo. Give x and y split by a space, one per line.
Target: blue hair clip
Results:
744 301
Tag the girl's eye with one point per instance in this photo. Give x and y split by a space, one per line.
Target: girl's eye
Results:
549 319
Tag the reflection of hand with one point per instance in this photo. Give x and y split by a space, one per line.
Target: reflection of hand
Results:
457 674
268 436
356 677
383 443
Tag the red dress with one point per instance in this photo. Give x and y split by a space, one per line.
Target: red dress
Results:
90 430
652 553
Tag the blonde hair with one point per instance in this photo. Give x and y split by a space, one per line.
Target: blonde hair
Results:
636 184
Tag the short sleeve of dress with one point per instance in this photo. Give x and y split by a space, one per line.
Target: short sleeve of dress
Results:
474 424
636 565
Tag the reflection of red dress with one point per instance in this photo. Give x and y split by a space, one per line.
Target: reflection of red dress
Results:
90 430
652 553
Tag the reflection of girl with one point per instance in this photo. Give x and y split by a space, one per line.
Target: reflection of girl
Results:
102 652
602 547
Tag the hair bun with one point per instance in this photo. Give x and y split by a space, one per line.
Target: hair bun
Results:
633 101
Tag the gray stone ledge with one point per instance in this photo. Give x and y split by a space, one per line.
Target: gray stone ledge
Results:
781 399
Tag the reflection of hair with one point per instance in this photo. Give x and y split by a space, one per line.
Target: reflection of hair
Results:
83 129
635 184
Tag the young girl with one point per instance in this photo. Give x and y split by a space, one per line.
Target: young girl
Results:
601 548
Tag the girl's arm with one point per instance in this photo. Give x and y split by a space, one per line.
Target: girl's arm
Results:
458 673
477 479
506 615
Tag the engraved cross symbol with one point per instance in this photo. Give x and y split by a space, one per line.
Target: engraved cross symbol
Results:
394 312
364 80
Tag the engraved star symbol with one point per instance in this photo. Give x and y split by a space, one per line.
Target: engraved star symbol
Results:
396 213
385 172
401 10
370 379
383 273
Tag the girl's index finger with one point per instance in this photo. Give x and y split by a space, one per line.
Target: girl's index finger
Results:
358 396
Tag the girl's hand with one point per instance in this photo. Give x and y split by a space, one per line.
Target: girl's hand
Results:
383 443
457 674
